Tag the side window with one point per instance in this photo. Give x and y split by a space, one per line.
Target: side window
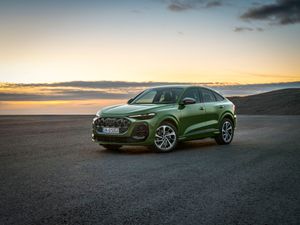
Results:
218 97
192 93
207 95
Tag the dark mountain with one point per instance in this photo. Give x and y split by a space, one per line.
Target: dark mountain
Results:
279 102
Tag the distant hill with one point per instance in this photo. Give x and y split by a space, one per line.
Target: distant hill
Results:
279 102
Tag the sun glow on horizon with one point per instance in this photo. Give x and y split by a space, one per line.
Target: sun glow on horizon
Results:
136 41
56 106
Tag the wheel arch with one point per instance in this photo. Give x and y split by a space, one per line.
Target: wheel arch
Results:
170 119
229 116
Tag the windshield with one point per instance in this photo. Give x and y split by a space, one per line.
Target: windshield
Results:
158 96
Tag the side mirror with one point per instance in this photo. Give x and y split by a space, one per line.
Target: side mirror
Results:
129 101
188 101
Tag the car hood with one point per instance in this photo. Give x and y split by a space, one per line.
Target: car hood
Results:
128 109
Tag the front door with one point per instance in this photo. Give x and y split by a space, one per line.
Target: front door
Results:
192 116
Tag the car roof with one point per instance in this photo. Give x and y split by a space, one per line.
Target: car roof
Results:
185 87
178 86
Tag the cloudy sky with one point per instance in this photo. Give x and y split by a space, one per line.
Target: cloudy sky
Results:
113 49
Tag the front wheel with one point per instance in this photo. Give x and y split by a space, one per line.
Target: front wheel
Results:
226 132
165 139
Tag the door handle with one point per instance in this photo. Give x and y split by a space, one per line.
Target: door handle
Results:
221 106
201 108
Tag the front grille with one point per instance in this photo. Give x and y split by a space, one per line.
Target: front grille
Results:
112 122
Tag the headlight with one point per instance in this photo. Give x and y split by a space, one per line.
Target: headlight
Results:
143 116
95 118
98 113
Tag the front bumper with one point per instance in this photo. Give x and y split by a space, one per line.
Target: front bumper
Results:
138 132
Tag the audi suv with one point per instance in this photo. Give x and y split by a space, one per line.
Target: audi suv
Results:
161 117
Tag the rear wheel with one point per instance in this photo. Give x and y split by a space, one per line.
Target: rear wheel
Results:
226 132
165 139
112 147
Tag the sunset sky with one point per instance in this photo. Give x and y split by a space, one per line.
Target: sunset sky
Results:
217 43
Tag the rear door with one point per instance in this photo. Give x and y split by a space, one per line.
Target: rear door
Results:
213 108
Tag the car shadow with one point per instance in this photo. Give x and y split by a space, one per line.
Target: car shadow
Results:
204 144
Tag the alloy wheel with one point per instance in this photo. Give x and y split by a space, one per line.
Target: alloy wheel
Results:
165 138
227 131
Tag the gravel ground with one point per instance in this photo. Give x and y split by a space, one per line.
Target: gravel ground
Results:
52 173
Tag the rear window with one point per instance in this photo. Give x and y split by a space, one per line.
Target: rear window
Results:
207 95
218 97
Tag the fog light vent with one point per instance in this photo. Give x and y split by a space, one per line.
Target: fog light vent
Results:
140 131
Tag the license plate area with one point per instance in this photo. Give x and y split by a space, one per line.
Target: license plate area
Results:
110 130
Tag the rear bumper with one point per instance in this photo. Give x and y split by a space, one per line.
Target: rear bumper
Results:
234 120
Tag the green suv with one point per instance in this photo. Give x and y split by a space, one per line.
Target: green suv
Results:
163 116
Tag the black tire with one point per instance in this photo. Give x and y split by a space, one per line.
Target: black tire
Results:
112 147
222 139
172 138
